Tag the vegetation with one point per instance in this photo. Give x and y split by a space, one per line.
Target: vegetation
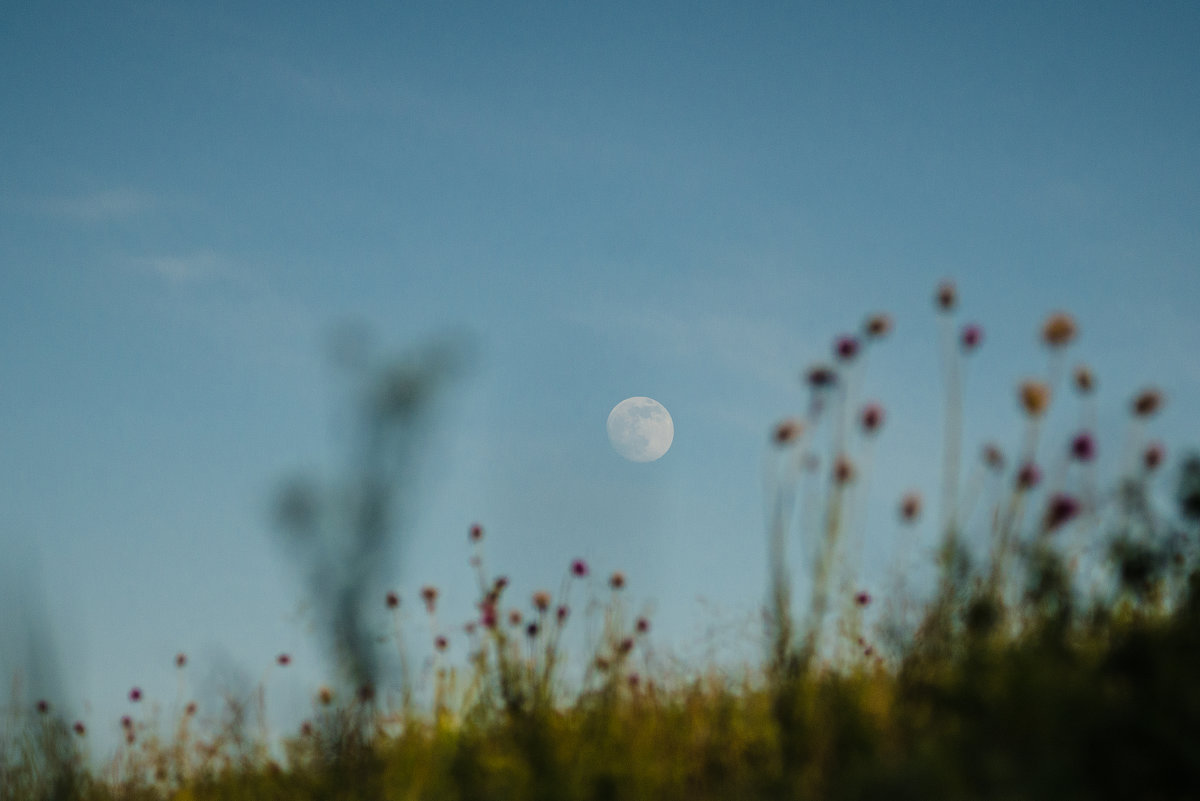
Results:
1037 670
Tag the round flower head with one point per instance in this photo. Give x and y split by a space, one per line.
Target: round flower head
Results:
79 728
1029 476
135 694
862 598
541 600
532 630
579 568
325 696
475 533
1147 402
821 377
441 643
514 617
392 600
561 613
946 296
1153 456
971 336
190 709
1034 397
843 470
845 348
871 417
1060 510
42 707
1083 447
910 507
126 722
877 326
1058 330
1085 381
429 595
787 432
617 580
642 625
284 660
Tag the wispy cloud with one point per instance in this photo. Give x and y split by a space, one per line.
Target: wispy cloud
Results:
106 205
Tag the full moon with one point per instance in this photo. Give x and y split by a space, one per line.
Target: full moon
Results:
640 429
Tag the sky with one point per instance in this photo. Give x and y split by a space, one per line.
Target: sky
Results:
685 201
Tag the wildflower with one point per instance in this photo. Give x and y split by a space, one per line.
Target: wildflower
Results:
579 568
1029 476
1085 382
1153 456
429 595
561 613
475 533
877 326
843 470
971 336
787 431
441 643
910 507
541 600
862 598
634 680
1035 397
1058 330
43 707
514 617
871 417
324 695
499 584
79 728
1060 509
845 348
487 614
1083 447
617 580
531 630
625 646
135 694
993 457
1147 402
642 625
946 296
283 660
821 376
392 599
126 722
306 729
130 737
190 709
180 659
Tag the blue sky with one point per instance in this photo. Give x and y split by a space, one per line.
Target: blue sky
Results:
685 202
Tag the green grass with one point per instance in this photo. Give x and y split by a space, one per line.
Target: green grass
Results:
1018 679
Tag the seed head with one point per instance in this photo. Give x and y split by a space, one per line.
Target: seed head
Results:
1153 456
1029 476
625 646
993 457
877 326
1034 397
971 337
392 599
441 643
845 348
862 598
1060 510
79 728
532 629
306 729
946 296
787 432
561 613
579 568
429 595
642 625
190 709
1058 330
514 617
910 506
617 580
126 722
871 417
541 600
1147 402
283 660
475 533
1085 381
135 694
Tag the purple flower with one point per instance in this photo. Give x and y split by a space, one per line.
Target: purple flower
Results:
1029 476
579 568
972 335
1083 447
845 348
1060 509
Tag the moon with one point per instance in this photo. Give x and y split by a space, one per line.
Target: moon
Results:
640 429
